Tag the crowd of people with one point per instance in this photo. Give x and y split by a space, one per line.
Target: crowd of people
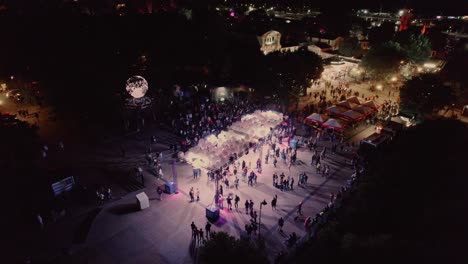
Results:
209 117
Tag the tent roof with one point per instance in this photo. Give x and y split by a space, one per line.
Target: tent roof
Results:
354 100
363 109
333 123
336 109
402 120
315 118
352 114
371 104
346 104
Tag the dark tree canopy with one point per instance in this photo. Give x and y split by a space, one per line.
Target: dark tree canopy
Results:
417 47
410 206
454 73
383 59
289 73
384 33
349 47
227 249
425 94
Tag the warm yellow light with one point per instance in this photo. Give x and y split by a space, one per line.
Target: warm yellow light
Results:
394 79
429 65
379 86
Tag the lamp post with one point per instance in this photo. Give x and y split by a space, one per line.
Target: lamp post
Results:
260 217
174 176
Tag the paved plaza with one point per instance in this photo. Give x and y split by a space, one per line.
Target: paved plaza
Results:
161 234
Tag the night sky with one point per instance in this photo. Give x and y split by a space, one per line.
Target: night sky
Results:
431 7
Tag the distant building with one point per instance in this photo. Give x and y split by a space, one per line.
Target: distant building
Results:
364 44
333 41
313 48
270 41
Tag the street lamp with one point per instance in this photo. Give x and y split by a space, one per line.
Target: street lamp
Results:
260 217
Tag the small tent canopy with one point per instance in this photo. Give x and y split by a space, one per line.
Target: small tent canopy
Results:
336 109
352 115
346 104
402 120
317 118
354 100
371 104
365 110
333 123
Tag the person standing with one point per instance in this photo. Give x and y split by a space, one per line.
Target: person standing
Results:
247 205
159 190
160 172
40 221
236 202
236 183
195 235
201 238
191 195
198 195
221 202
280 224
299 208
273 202
61 146
292 183
229 202
194 227
208 230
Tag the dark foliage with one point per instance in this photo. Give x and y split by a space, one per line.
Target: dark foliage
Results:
225 248
425 94
409 208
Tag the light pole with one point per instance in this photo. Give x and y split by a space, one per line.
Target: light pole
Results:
174 176
260 217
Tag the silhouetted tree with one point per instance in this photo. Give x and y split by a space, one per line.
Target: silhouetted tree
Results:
425 94
224 247
384 59
349 47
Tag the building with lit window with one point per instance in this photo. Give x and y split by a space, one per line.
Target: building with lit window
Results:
270 41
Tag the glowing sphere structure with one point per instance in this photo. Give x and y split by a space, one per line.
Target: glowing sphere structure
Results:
136 86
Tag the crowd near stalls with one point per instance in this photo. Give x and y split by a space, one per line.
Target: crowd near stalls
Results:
349 113
205 118
216 150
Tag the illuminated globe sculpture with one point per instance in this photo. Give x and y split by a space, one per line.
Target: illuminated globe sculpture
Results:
136 86
136 105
